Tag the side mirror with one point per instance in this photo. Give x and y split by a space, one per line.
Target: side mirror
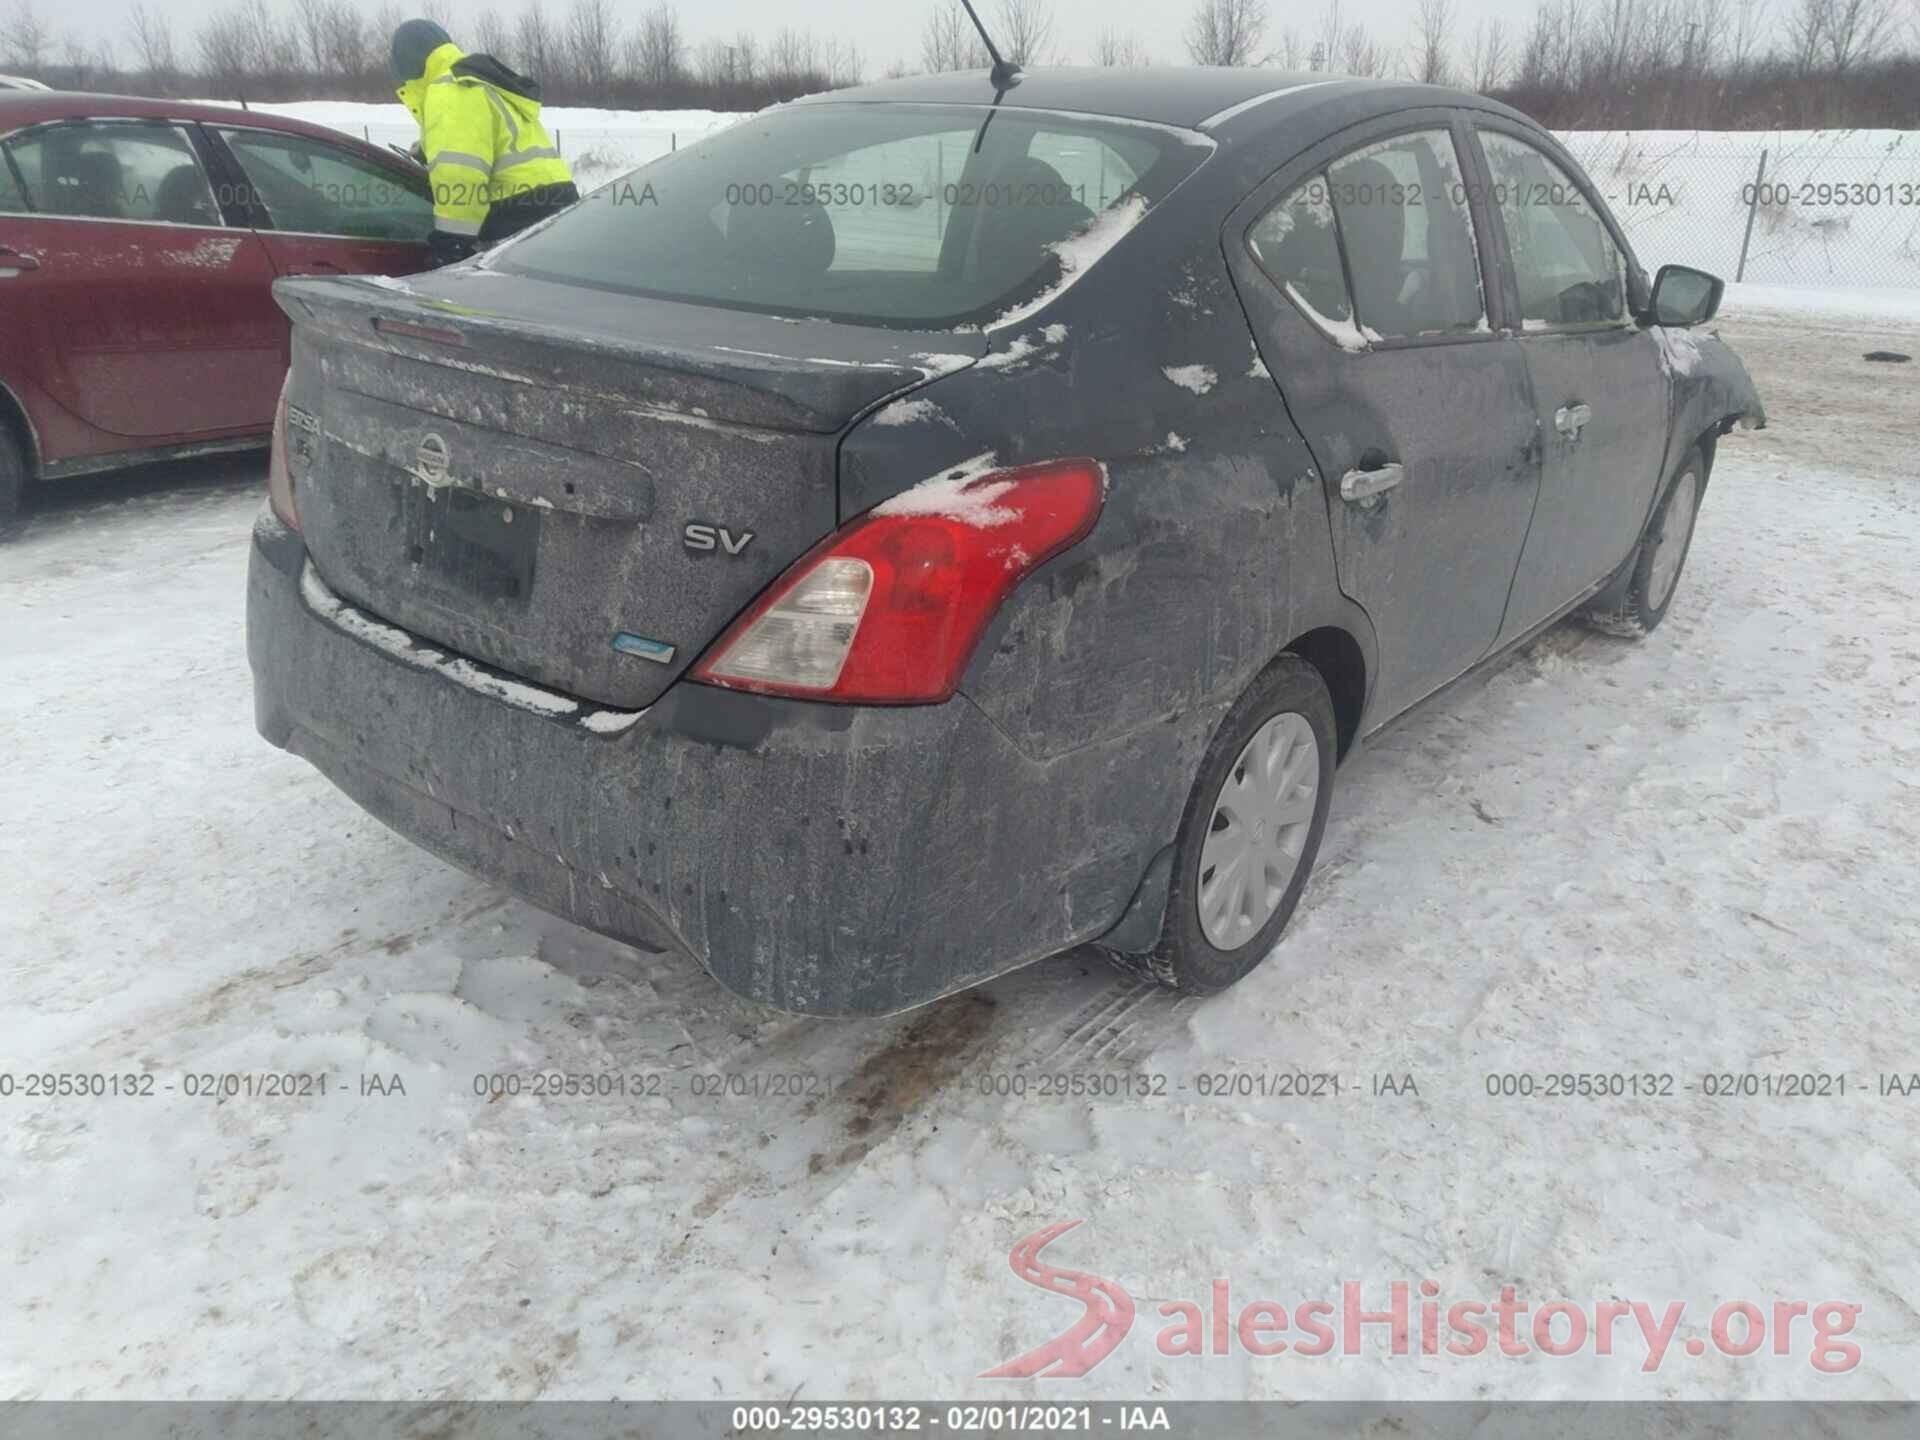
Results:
1684 296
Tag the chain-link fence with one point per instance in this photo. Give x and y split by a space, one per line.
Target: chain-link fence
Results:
1837 208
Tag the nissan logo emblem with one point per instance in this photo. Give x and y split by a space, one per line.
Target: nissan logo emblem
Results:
431 460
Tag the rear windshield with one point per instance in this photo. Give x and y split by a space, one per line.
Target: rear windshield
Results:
913 216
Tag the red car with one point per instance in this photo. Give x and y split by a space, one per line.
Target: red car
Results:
139 242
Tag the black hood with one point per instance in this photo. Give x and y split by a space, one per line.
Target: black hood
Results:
498 75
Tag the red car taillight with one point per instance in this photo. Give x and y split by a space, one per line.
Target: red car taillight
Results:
887 610
279 471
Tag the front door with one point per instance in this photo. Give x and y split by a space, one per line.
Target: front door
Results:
144 316
1600 391
1359 270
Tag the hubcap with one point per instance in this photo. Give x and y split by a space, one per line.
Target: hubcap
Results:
1258 830
1675 526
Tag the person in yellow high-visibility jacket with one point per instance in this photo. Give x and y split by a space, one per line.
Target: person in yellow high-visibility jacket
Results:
492 166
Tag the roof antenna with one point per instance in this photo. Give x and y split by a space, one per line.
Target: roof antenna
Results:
1005 74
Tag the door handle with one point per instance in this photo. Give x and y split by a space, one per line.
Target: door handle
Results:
12 263
1570 420
1365 484
314 267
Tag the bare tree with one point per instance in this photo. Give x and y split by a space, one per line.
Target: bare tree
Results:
490 33
592 44
1118 49
1749 20
734 62
1430 63
152 44
949 41
1487 57
1025 28
657 48
842 61
310 23
1290 53
26 36
376 39
255 42
1550 52
791 56
1326 41
351 40
746 50
75 56
1621 32
1804 34
534 44
1347 48
1226 32
222 42
1706 23
1359 55
1857 31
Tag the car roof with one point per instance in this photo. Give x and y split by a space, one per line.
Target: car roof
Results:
1192 97
20 108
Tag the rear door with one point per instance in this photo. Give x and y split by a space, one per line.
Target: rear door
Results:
327 209
1360 273
1600 392
141 313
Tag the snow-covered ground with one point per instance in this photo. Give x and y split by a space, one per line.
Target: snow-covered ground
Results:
1687 855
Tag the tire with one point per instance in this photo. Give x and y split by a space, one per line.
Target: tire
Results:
1208 938
13 480
1657 560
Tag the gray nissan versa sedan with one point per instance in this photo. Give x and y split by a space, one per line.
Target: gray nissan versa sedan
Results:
916 531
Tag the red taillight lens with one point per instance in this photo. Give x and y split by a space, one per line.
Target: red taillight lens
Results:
279 470
888 609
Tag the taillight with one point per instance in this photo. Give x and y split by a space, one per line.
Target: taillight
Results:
279 471
887 610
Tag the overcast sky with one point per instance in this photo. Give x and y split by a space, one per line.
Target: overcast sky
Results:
883 30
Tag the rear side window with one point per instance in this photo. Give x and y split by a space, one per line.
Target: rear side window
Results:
1565 261
1297 245
117 171
320 189
1379 245
920 216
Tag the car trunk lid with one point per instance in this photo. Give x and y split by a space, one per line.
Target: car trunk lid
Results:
578 488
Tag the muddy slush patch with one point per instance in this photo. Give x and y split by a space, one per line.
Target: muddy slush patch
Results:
917 1064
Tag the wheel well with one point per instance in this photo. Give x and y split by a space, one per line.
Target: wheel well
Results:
13 420
1342 664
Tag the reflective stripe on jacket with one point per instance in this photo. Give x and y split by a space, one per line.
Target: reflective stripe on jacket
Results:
483 141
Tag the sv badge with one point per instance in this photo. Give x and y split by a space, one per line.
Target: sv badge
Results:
702 538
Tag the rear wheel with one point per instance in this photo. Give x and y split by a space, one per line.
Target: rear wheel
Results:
1249 834
1658 560
13 478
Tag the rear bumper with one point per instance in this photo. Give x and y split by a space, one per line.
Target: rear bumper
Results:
823 859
